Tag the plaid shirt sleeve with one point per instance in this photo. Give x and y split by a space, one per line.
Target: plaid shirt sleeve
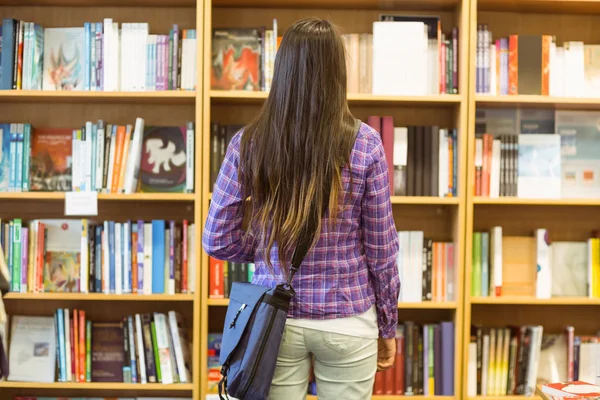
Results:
381 241
223 236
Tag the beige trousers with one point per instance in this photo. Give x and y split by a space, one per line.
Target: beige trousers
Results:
344 366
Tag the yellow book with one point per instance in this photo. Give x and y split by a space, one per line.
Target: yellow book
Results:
505 357
492 364
499 361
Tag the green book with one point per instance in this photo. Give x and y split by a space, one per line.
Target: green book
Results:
88 351
155 347
26 156
485 265
476 265
16 254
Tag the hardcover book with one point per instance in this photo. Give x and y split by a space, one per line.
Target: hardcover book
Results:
163 165
51 163
236 55
64 59
32 349
63 252
108 355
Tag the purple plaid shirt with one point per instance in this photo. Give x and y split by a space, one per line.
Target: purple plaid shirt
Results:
350 268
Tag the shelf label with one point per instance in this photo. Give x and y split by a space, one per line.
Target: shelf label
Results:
81 203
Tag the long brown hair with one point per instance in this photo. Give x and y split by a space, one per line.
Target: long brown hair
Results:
300 141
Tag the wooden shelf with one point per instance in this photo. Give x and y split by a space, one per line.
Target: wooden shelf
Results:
340 4
508 201
541 6
98 297
416 200
534 101
425 305
244 97
179 387
556 301
101 196
504 397
44 96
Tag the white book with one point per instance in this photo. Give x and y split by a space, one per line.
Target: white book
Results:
189 154
493 80
393 44
534 357
400 264
485 360
125 63
151 62
89 151
407 264
539 166
543 287
75 162
472 370
32 353
118 259
115 57
495 172
100 154
180 346
107 54
127 257
399 159
142 55
133 161
162 345
132 347
140 348
496 261
147 258
67 339
416 239
185 61
574 69
105 260
84 269
433 66
191 248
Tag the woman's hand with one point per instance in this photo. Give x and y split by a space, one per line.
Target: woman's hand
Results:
386 353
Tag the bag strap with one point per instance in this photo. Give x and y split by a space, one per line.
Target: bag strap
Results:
305 241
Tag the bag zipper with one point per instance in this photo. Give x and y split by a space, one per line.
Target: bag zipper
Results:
260 354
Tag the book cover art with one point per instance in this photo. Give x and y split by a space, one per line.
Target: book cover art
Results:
575 388
63 252
235 59
51 162
64 59
4 157
32 352
569 269
580 153
539 166
163 165
553 364
214 367
108 356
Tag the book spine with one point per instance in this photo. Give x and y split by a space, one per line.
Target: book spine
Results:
67 346
127 273
60 322
75 345
170 61
189 165
455 60
139 337
8 54
86 58
20 161
82 346
16 256
92 130
184 255
91 42
162 350
18 68
24 258
112 256
177 348
26 156
132 350
84 257
99 57
88 351
12 183
513 65
148 349
134 260
100 136
171 286
126 351
176 53
178 258
156 354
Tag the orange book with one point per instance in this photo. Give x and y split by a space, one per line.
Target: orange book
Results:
513 64
20 56
546 42
134 269
75 344
39 270
443 269
434 272
82 351
114 186
216 285
126 143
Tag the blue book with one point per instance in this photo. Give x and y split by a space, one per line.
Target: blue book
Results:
128 269
111 255
134 377
8 53
158 256
13 158
98 272
87 54
485 266
99 56
140 255
447 359
60 344
5 157
92 44
19 160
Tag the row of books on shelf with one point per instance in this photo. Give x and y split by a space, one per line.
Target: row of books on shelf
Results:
537 153
222 274
424 362
101 157
534 265
99 56
143 257
426 268
513 360
374 61
422 160
535 65
69 347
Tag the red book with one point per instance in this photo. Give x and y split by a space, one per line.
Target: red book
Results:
513 64
75 345
387 137
485 178
399 369
40 257
389 376
379 387
82 351
375 123
216 286
72 349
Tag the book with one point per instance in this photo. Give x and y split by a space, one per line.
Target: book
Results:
51 164
64 56
107 352
163 162
236 59
32 353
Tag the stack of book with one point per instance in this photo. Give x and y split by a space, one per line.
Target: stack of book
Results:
96 57
427 268
222 274
554 268
144 348
48 255
537 153
536 65
375 62
424 362
512 360
107 158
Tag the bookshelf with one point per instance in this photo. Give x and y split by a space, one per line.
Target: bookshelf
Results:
565 219
443 218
